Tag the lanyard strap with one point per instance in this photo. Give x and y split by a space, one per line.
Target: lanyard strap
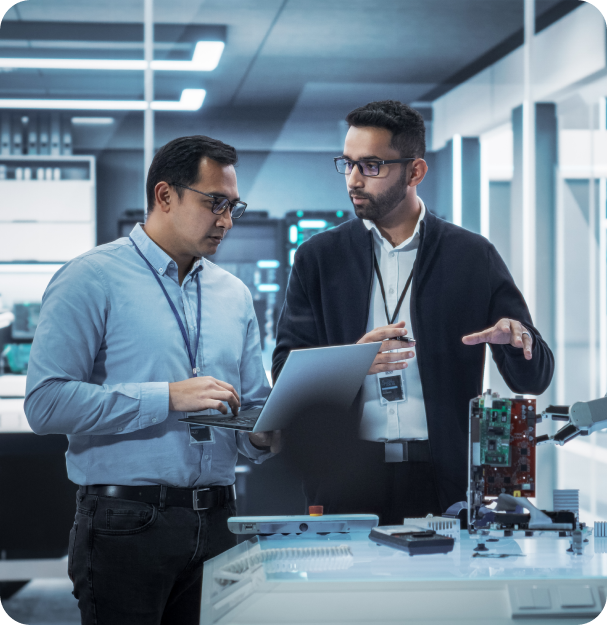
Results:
383 292
170 301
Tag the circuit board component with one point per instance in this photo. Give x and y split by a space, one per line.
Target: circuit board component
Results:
502 448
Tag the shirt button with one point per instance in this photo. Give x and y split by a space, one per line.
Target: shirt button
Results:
391 254
206 457
160 270
391 291
391 410
154 420
120 429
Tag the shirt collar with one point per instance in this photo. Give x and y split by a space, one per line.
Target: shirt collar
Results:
405 244
158 258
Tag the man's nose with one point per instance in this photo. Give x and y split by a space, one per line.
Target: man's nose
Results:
225 219
355 180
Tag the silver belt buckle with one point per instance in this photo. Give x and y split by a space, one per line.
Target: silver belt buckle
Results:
195 498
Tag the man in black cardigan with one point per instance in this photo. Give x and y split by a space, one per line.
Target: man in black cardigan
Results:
461 296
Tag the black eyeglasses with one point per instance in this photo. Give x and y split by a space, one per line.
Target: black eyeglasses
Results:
220 203
366 167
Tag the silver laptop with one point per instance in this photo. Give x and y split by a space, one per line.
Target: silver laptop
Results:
322 376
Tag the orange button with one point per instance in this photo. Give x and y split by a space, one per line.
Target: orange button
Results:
315 510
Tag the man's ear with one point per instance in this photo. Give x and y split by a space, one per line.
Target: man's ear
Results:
164 195
419 169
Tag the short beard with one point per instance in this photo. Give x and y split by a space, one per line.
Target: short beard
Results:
383 204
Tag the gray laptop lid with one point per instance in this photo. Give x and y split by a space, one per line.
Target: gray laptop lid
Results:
328 376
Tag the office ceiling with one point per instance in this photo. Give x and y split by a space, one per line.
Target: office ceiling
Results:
275 49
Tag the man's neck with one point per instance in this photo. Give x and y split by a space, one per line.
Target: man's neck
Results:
399 225
184 262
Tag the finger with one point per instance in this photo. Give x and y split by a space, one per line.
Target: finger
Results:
388 346
228 387
392 357
216 405
478 337
263 439
516 334
233 403
528 346
393 366
229 398
384 332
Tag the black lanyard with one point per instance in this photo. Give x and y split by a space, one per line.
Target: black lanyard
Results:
383 292
170 301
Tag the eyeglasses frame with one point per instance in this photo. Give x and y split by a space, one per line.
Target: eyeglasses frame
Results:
370 160
216 201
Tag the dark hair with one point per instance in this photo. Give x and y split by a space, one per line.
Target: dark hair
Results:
405 124
178 161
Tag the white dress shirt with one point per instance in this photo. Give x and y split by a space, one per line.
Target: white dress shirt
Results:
397 420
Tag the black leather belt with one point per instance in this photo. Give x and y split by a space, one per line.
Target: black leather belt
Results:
196 498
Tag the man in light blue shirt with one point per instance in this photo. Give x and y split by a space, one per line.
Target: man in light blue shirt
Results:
132 335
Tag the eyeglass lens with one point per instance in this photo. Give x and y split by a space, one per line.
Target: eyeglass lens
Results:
367 168
236 209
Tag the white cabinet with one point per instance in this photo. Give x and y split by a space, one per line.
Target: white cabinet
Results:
47 207
42 241
52 200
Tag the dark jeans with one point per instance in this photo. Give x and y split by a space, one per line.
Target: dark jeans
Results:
135 563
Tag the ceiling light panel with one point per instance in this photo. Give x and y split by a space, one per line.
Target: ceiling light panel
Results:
191 100
207 55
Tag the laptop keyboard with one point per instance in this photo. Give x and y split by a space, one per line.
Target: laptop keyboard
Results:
247 420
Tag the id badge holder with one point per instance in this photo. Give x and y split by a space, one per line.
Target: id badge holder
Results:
392 387
200 434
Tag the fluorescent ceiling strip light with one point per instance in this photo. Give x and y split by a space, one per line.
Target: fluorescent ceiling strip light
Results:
205 59
191 100
92 121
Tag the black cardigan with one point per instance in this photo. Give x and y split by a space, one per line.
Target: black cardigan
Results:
460 286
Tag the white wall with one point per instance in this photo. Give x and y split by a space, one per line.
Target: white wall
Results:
567 54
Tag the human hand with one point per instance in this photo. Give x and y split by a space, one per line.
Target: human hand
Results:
504 332
390 361
266 439
195 394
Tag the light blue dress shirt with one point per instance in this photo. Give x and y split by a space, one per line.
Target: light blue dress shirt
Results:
106 347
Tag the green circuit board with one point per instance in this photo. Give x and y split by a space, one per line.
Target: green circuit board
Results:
495 428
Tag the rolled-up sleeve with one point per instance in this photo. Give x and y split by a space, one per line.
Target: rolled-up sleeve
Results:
60 399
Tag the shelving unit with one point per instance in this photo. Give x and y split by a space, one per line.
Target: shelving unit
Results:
46 220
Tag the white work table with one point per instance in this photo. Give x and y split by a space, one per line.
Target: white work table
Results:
539 582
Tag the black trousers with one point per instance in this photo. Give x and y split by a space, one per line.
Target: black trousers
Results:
363 483
135 563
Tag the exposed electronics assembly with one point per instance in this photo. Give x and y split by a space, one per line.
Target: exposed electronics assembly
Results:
502 469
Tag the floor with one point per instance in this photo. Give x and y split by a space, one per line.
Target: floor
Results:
42 602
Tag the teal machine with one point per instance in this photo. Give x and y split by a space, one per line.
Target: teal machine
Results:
17 341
